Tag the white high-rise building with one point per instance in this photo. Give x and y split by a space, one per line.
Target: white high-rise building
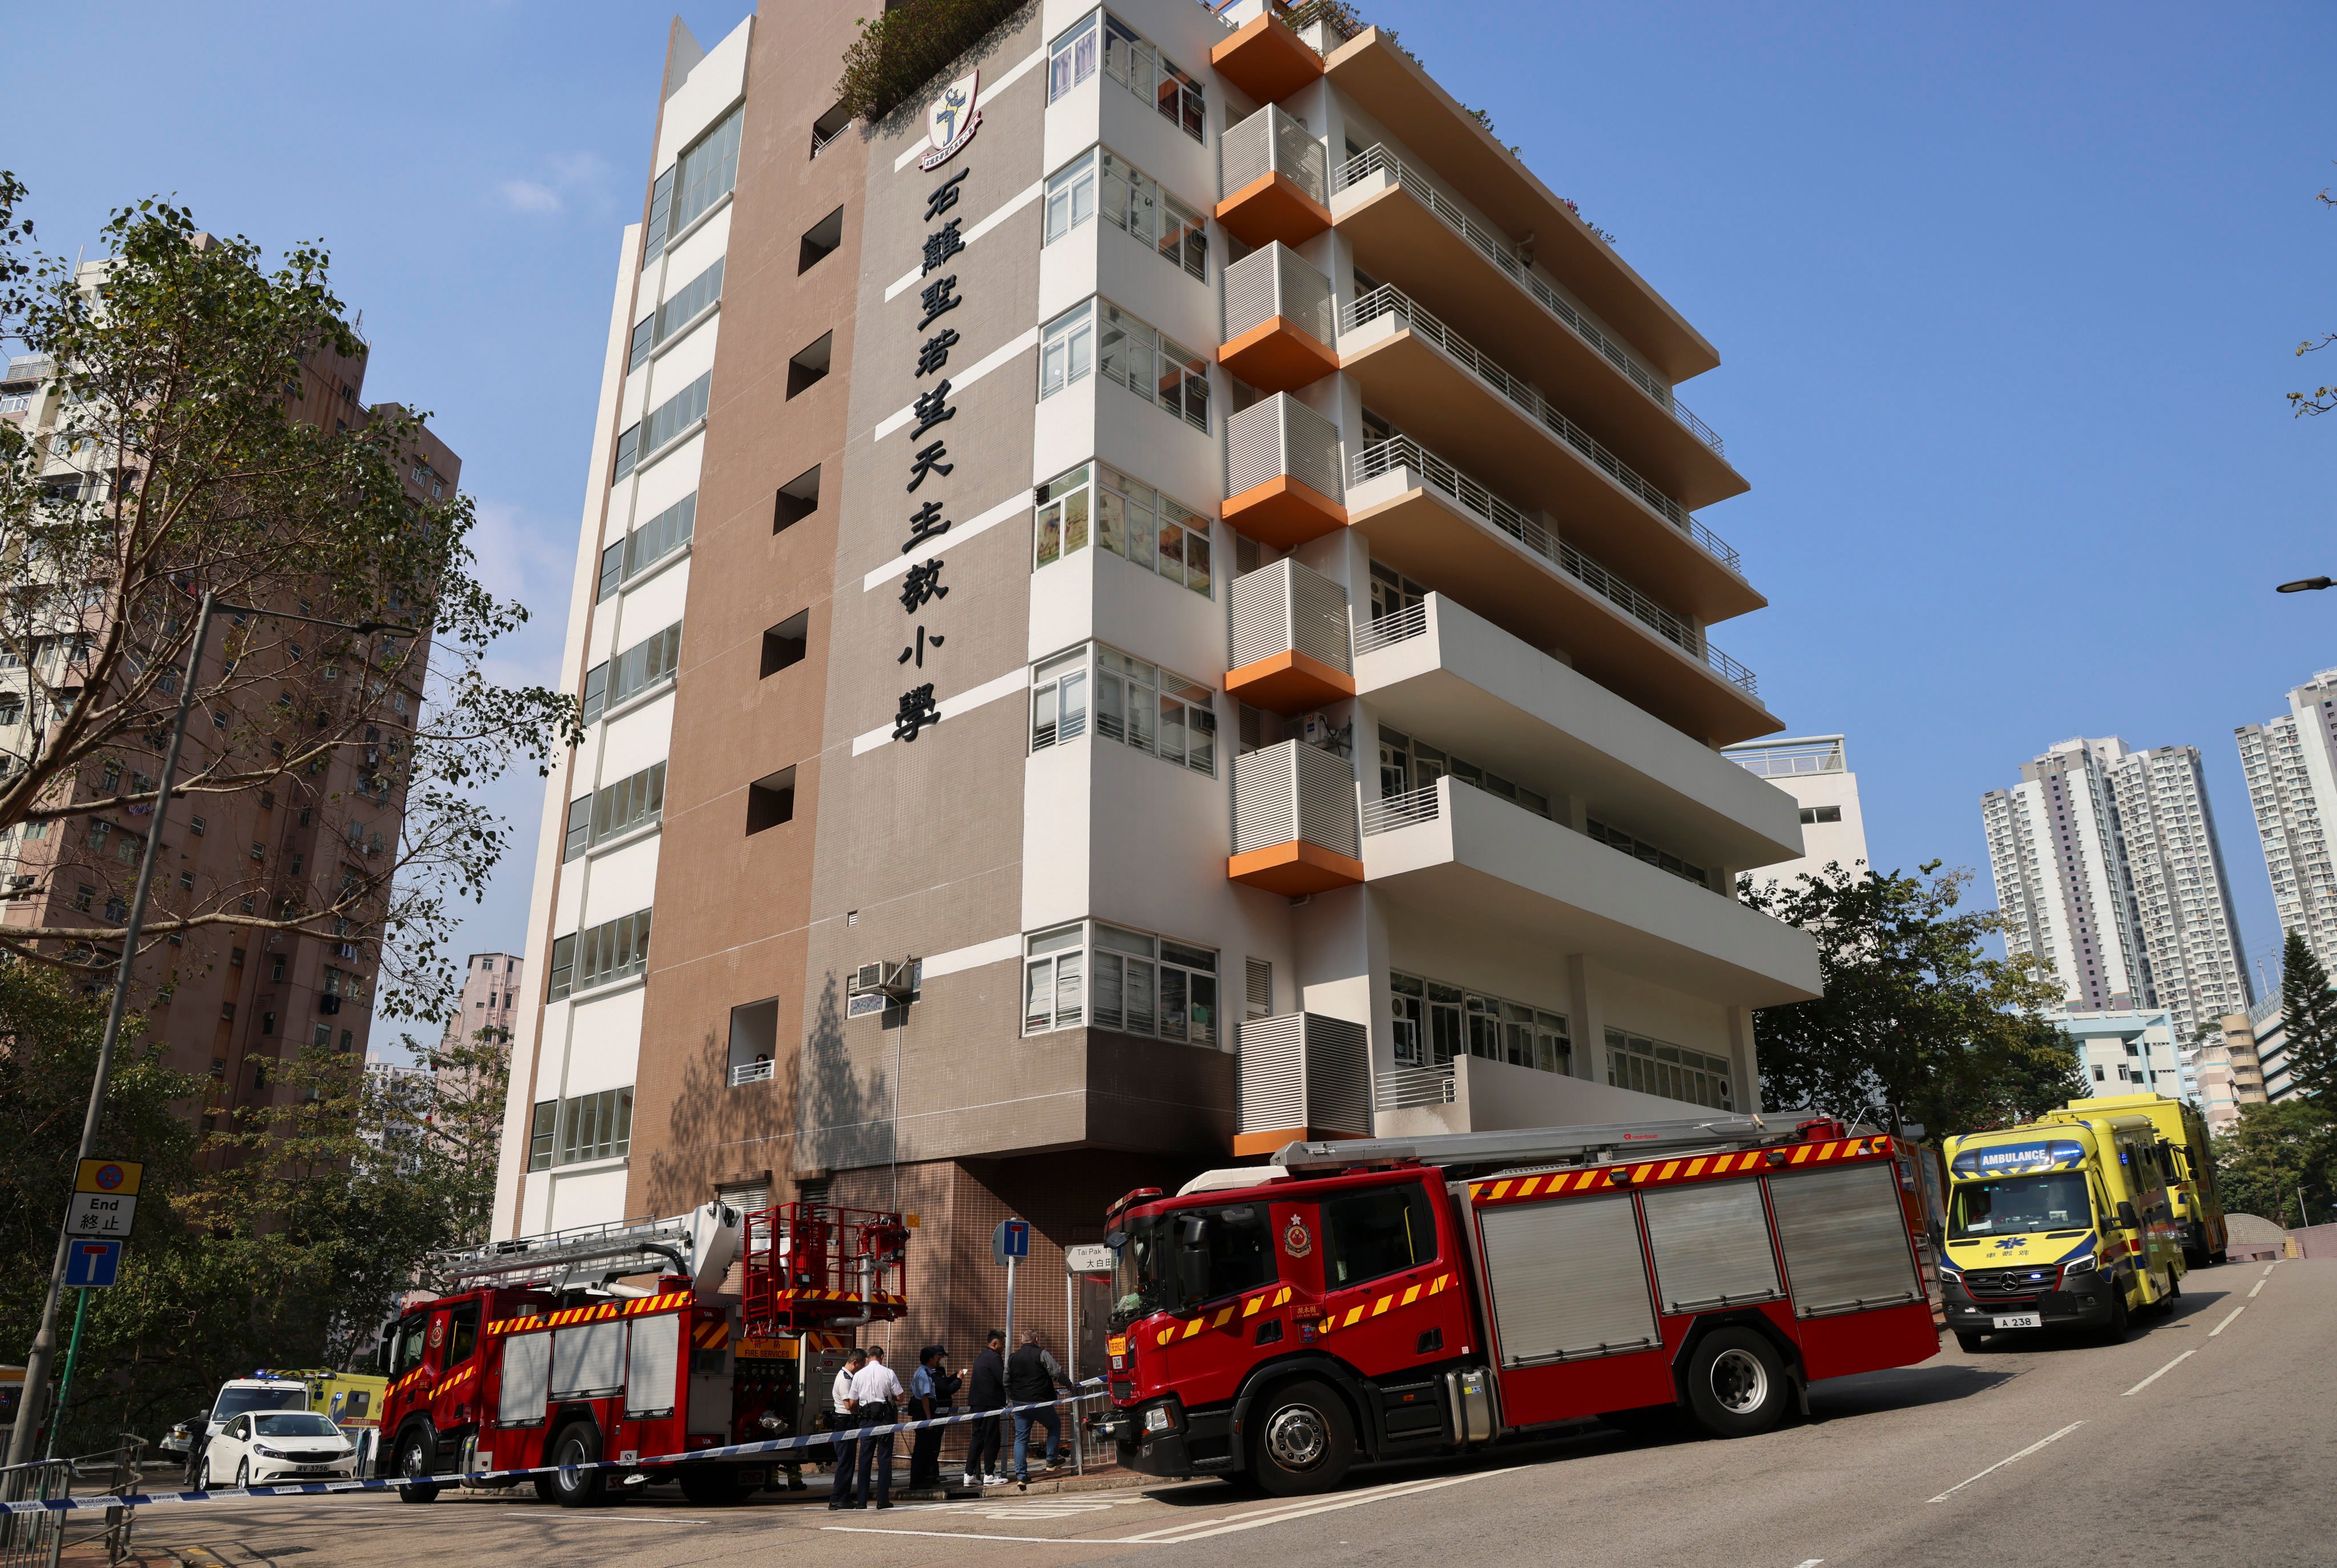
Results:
1815 771
2106 867
2290 761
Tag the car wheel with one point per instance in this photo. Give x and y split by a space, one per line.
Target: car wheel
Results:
414 1458
581 1483
1970 1340
243 1473
1736 1384
1305 1440
203 1475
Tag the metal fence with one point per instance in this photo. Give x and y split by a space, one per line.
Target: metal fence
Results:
39 1540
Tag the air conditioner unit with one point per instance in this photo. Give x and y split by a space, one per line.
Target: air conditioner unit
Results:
878 985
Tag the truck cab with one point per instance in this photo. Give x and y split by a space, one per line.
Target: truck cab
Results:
2062 1223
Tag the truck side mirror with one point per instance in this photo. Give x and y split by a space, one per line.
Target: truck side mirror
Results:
2126 1218
1192 1257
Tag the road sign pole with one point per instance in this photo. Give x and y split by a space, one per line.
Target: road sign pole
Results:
1072 1367
64 1384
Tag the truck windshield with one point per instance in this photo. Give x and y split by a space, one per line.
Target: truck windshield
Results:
234 1402
2011 1205
1161 1264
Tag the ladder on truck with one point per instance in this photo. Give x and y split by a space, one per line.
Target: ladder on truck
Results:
699 1246
1597 1142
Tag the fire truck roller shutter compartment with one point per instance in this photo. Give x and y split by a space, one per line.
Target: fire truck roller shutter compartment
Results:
1567 1280
656 1365
587 1359
527 1375
1712 1246
1845 1238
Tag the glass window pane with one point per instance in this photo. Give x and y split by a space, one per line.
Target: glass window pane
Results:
1107 990
1205 1008
1075 704
1075 522
1038 995
1111 523
1173 1004
1201 739
1140 721
1172 552
1140 974
1172 729
1112 720
1196 563
1050 533
1067 991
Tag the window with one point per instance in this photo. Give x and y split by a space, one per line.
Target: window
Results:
563 967
683 306
670 418
629 450
275 967
587 1128
1132 521
614 951
1135 703
1141 985
828 127
660 210
798 499
632 672
705 172
652 543
1393 593
1258 999
1436 1022
771 801
783 644
1070 198
1067 349
1615 838
1372 1234
1133 202
1239 1240
1821 814
620 808
1073 58
1408 765
1158 369
1129 60
821 240
809 368
1654 1068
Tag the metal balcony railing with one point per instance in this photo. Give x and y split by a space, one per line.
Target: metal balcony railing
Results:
1287 607
1376 160
1272 142
1390 812
1272 282
1388 300
1294 793
1388 630
1408 1089
750 1073
1435 473
1280 435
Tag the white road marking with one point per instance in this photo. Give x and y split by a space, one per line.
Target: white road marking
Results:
2162 1372
2000 1464
959 1535
2252 1294
1809 1562
1204 1529
2270 1266
2228 1321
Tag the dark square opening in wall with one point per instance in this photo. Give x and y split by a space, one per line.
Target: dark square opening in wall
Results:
798 499
771 801
828 127
821 240
783 645
810 367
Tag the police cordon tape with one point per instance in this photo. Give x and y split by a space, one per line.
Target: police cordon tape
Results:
1093 1386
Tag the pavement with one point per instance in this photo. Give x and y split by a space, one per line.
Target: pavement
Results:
2208 1439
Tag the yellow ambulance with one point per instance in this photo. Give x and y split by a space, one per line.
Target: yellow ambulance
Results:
2062 1224
2190 1166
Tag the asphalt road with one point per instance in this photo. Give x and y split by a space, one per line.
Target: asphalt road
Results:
2209 1438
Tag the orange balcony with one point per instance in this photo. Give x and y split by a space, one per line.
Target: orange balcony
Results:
1273 180
1279 321
1296 827
1291 645
1283 472
1266 60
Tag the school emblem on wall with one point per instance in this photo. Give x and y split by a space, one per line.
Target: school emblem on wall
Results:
952 120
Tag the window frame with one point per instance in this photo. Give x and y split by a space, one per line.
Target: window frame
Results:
1417 1210
1095 686
1449 1021
1127 517
1645 1071
1068 966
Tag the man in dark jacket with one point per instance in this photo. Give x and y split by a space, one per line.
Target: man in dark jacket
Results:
986 1392
1032 1378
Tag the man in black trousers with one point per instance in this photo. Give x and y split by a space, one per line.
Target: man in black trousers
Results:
986 1392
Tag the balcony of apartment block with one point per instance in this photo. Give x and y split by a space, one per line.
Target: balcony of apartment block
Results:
1435 522
1280 323
1275 50
1443 136
1457 852
1303 1076
1444 672
1285 473
1408 232
1273 180
1445 392
1295 824
1290 647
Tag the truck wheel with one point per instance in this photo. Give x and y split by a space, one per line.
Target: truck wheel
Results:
712 1486
1737 1384
578 1445
1305 1440
1970 1340
414 1458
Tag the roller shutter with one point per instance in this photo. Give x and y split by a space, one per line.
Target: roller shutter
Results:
1844 1238
1567 1280
587 1359
527 1369
1711 1245
652 1374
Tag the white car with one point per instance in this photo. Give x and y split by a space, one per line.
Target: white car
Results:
260 1447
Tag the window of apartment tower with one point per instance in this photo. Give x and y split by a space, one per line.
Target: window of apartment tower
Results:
1092 974
1436 1022
1675 1072
1130 518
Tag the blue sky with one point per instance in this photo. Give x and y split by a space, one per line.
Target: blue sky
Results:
2006 299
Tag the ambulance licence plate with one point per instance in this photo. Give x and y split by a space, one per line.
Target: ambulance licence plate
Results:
2017 1320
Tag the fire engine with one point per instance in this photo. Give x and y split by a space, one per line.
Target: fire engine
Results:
1376 1298
544 1356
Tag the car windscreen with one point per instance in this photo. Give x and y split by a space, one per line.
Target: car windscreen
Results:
294 1424
2014 1205
234 1402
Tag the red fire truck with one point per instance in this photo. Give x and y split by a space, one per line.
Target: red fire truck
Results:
542 1356
1376 1298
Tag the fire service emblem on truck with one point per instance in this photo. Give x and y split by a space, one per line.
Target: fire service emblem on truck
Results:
1295 1238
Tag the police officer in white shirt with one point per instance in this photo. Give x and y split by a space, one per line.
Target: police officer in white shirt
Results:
847 1422
877 1398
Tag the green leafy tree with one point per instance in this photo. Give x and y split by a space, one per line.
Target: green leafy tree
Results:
2308 1011
2280 1161
168 461
1917 1023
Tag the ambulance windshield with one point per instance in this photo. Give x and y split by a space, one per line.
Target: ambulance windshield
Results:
2014 1205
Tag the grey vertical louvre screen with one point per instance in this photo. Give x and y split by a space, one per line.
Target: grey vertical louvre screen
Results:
747 1198
1567 1280
1845 1238
1295 791
1711 1245
1286 608
655 1368
588 1358
527 1372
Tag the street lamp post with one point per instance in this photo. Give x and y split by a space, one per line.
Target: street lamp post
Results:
37 1360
